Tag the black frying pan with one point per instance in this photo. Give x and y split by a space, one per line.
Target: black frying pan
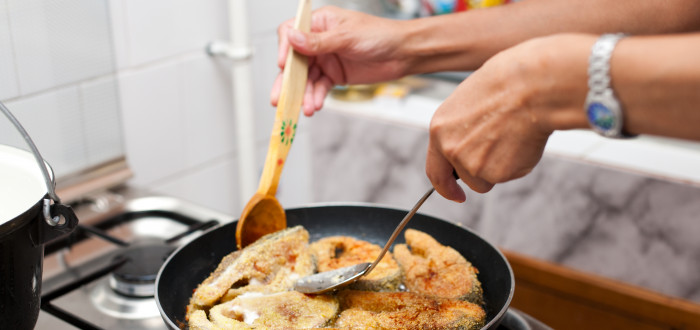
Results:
192 263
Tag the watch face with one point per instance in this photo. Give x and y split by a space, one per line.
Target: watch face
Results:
601 116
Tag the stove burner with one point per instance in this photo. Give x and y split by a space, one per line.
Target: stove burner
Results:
137 277
120 306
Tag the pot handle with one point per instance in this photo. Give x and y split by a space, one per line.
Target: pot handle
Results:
65 222
52 213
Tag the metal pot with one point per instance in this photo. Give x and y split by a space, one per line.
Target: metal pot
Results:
28 219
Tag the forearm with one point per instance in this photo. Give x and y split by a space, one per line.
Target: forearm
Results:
465 40
656 79
658 82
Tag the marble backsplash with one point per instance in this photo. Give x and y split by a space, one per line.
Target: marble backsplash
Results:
625 226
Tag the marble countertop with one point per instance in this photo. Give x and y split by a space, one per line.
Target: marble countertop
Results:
664 158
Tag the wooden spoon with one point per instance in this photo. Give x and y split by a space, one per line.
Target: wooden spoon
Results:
263 214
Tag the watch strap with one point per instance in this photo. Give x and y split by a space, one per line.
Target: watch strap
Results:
603 109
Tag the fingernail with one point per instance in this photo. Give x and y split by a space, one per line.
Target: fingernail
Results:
297 37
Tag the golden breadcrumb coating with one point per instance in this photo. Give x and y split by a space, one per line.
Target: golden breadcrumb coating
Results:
434 269
342 251
273 262
406 310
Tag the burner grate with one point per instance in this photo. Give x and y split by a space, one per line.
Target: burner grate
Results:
122 261
62 314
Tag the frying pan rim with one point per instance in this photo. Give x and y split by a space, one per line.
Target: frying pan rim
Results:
494 320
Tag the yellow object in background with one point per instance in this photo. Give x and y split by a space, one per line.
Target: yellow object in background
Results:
440 7
474 4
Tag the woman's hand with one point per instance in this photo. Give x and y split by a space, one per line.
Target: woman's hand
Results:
344 47
494 126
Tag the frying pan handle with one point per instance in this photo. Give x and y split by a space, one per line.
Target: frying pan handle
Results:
512 319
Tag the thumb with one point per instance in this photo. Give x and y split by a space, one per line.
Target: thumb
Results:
313 43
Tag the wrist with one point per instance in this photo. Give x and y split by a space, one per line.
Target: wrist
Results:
557 80
428 46
414 50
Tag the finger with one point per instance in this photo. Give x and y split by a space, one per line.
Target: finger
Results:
474 183
308 103
283 42
439 171
314 43
333 68
314 72
276 88
321 88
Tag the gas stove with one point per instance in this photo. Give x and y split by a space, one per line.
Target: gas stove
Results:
103 275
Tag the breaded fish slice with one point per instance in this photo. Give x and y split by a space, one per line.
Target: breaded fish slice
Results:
289 310
434 269
198 321
406 310
275 261
341 251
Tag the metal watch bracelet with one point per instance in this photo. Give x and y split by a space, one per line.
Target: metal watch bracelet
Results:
603 109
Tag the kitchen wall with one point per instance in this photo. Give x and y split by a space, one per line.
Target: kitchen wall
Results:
93 81
176 101
57 77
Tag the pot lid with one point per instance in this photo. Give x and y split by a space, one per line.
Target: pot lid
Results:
21 182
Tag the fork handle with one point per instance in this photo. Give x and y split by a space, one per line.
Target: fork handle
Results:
398 230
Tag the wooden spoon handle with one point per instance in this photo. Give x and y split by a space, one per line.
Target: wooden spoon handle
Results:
293 85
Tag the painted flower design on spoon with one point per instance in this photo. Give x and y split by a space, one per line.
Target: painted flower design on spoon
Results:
287 132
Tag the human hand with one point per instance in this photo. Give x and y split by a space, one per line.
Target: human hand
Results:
494 126
344 47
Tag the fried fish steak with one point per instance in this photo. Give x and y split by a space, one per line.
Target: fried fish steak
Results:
341 251
288 310
406 310
198 321
434 269
272 264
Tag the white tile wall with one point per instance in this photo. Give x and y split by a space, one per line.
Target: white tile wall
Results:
117 13
153 121
157 29
57 77
265 71
58 131
165 71
9 87
102 126
175 109
269 14
206 107
212 186
60 42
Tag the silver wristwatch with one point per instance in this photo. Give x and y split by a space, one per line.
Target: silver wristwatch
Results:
603 109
